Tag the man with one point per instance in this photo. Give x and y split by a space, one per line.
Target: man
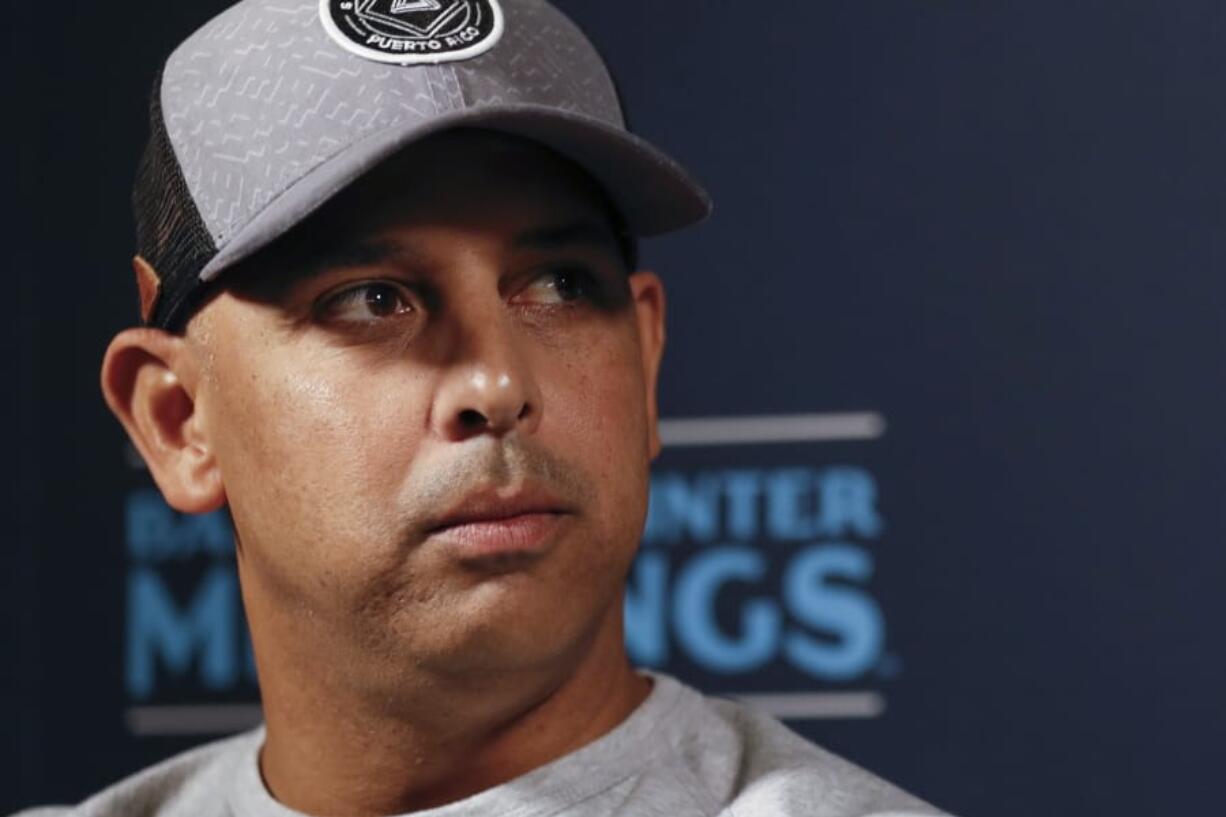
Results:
394 324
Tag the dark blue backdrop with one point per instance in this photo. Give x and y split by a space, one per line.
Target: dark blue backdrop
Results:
995 226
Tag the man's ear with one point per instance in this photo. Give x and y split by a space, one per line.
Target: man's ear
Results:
648 292
149 379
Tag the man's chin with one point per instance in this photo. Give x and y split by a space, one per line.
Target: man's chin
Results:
506 625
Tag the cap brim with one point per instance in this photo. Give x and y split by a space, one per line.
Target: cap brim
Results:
653 192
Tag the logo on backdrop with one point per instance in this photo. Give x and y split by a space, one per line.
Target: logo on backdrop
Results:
752 571
413 31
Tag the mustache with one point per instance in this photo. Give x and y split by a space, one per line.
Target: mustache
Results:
507 465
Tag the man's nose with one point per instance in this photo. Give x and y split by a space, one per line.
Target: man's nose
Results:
489 387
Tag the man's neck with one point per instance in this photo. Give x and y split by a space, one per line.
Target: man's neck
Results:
324 756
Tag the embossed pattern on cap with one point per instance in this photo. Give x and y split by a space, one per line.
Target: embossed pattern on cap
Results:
261 96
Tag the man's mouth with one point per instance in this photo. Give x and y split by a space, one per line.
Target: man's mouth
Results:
488 527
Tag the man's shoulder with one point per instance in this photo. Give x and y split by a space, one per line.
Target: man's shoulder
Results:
191 784
748 763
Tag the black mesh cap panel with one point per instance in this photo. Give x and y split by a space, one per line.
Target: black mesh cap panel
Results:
170 233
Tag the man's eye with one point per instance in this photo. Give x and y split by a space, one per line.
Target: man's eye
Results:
365 303
561 285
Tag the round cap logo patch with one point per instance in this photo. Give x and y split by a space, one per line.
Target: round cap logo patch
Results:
413 31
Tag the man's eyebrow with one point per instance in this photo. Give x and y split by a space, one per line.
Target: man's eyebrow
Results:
283 269
311 259
584 232
356 254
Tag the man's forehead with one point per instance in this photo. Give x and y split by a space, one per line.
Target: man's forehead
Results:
402 248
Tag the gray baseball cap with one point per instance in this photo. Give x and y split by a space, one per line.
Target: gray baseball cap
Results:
275 106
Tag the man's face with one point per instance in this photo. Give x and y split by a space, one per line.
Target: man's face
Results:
456 339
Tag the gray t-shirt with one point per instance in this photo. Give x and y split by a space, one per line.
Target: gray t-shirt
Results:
680 754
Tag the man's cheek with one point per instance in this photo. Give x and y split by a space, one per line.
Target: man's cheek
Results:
608 375
295 416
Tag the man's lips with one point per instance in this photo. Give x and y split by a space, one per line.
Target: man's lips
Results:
488 526
491 507
525 535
